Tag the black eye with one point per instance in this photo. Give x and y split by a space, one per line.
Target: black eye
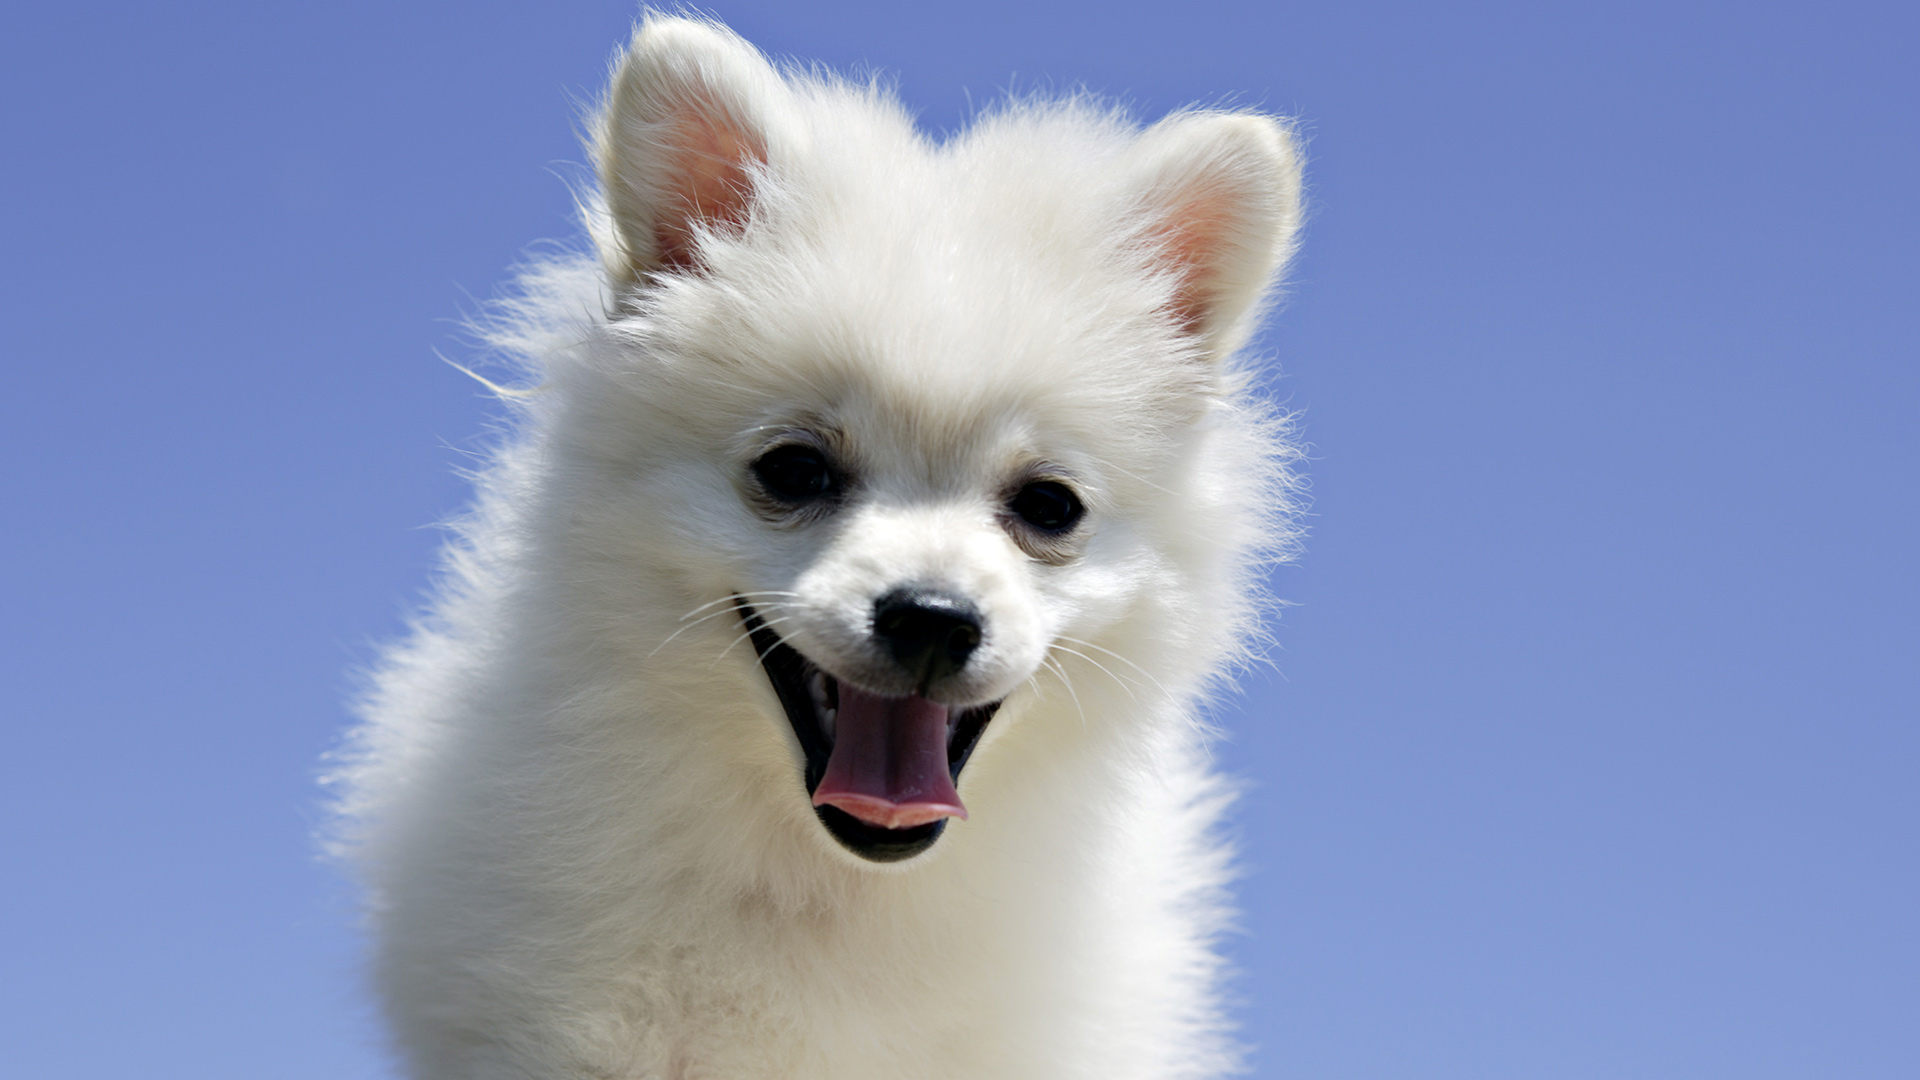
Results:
1048 505
794 473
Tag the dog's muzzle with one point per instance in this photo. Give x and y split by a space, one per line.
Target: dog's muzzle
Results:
882 770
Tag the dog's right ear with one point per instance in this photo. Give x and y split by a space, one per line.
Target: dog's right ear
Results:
1222 202
679 144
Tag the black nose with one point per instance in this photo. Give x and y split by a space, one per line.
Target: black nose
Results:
930 633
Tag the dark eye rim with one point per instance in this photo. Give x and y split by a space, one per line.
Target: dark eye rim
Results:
1076 507
831 480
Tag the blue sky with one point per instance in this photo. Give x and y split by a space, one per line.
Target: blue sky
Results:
1591 747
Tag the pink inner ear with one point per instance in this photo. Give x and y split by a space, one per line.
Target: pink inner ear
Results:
709 182
1192 240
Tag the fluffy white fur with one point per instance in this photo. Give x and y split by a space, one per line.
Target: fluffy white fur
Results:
575 802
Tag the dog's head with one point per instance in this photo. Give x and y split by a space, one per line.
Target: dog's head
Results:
925 423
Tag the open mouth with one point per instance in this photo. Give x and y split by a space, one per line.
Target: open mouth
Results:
880 771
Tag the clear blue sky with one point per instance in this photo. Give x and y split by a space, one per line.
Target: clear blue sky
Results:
1593 746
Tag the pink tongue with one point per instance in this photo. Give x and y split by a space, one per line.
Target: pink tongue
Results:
889 761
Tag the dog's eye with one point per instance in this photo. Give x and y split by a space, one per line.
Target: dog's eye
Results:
1048 505
794 473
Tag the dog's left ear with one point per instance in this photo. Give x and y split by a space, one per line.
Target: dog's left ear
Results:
690 122
1221 197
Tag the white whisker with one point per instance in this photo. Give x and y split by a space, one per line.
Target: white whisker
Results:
746 634
1143 671
1110 673
732 597
764 606
1067 681
687 627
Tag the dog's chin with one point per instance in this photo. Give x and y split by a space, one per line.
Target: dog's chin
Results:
809 695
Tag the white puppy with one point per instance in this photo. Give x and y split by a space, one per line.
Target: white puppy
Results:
811 692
